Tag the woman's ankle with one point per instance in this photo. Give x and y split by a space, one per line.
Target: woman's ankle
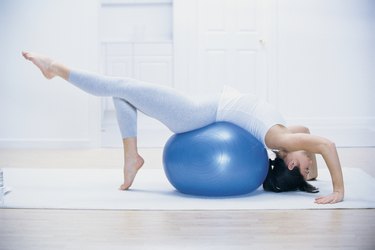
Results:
59 69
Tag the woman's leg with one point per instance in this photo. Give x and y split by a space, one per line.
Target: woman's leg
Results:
127 117
132 161
175 110
127 121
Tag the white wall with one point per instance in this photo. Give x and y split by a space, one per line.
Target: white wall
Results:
35 112
324 49
326 59
320 57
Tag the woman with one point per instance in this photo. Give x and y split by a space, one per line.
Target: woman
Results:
294 145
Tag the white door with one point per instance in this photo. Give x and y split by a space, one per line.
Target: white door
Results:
220 42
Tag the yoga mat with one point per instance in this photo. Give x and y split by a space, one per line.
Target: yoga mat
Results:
98 189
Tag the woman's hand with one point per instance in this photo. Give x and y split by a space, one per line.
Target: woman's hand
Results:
330 199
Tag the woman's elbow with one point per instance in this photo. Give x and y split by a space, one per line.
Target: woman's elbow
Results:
327 146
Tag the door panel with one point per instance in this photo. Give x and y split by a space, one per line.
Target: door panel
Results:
224 46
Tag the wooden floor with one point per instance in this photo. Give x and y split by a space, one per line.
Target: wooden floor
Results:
73 229
30 229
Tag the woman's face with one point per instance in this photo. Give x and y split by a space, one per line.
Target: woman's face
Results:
301 160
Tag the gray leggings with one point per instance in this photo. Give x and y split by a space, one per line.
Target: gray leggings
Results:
177 111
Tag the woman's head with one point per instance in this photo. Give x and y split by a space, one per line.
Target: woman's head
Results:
281 178
300 160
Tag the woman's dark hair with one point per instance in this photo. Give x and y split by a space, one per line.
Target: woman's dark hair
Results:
281 179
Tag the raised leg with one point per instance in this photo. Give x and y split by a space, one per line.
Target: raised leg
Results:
176 110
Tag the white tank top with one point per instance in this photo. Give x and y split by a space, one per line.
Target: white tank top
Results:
248 111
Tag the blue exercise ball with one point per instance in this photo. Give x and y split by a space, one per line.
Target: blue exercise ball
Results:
220 159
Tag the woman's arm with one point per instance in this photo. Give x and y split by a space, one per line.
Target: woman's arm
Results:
280 137
318 145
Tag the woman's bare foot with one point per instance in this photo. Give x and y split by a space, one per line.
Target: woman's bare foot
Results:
131 168
42 62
